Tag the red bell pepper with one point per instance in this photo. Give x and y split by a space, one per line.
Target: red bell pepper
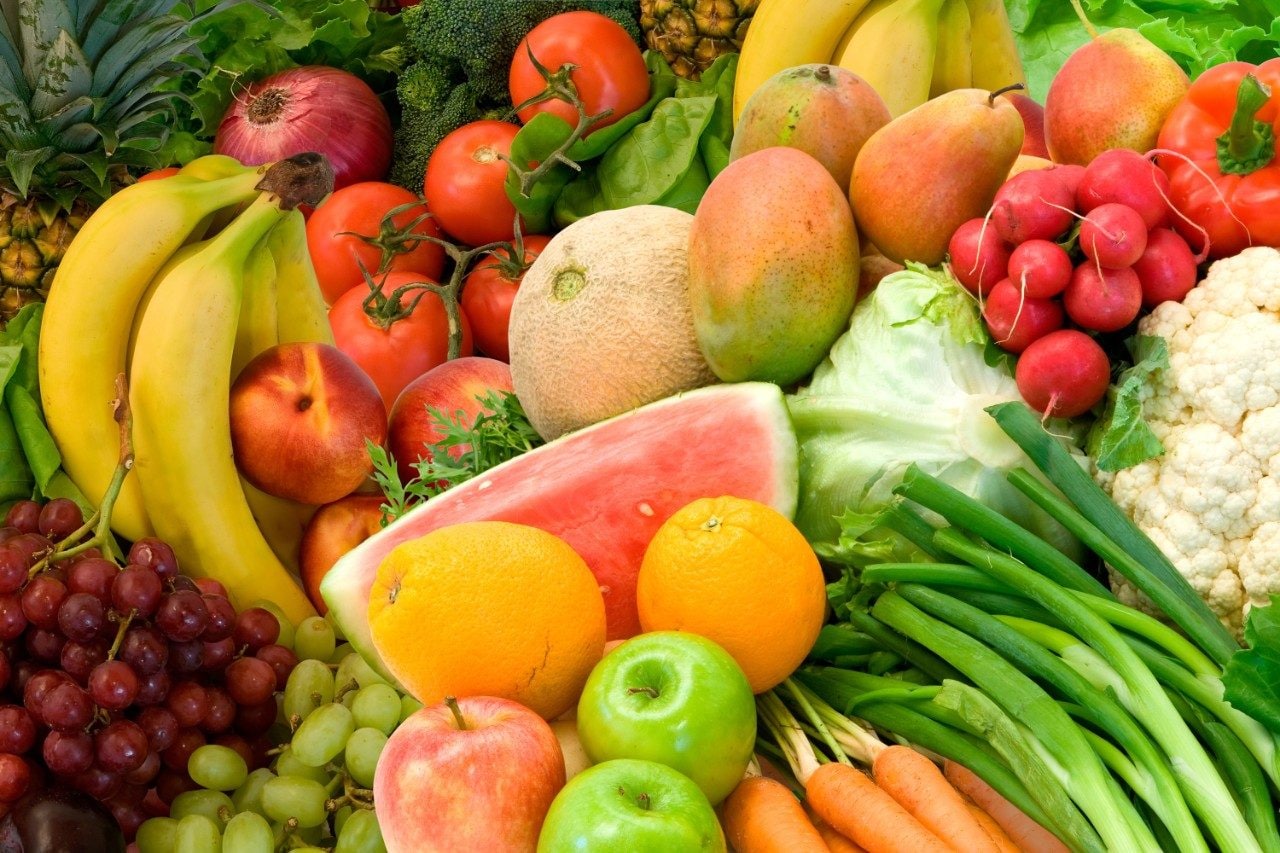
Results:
1227 181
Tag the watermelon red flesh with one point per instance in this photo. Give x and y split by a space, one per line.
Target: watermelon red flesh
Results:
605 490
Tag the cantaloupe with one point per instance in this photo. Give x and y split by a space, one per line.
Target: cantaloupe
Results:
602 322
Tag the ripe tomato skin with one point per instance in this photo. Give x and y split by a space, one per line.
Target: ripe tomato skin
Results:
398 354
465 183
487 294
610 72
359 208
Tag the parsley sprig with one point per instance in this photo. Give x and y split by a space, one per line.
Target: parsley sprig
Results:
500 432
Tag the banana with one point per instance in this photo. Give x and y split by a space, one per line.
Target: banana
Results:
182 440
281 522
996 63
211 167
256 329
953 61
87 321
891 46
785 33
302 314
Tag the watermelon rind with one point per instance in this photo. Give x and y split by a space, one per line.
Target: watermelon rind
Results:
753 428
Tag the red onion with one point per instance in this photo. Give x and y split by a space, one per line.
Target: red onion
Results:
313 108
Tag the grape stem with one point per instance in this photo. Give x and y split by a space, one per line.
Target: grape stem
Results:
100 522
124 626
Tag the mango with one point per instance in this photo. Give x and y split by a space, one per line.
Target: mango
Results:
773 267
825 111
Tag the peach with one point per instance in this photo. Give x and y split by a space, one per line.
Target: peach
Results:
334 530
300 416
455 386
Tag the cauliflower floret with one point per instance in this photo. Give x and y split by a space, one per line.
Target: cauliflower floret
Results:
1212 500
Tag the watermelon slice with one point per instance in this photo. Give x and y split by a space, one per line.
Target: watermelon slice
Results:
605 490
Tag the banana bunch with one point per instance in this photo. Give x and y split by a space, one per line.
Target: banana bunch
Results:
178 283
907 50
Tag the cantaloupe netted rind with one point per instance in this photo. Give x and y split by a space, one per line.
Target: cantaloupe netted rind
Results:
602 322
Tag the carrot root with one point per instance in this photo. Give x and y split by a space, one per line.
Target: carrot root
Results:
763 816
836 843
1026 834
997 835
859 809
920 788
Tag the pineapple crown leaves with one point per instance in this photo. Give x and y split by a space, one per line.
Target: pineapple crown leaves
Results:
87 87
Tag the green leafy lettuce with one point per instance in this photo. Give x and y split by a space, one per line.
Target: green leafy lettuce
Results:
909 382
1252 676
251 39
1196 33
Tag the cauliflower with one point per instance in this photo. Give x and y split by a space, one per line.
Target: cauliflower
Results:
1211 501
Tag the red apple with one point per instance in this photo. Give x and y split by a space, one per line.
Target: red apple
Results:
478 774
300 415
454 386
1032 122
334 530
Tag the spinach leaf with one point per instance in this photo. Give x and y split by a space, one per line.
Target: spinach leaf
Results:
1252 676
651 161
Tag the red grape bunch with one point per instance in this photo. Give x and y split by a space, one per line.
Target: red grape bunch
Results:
110 676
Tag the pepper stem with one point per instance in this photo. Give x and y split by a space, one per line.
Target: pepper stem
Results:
1248 144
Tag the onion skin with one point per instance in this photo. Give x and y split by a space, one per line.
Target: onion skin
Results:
312 108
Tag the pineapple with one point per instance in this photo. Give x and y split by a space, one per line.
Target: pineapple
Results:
86 92
690 34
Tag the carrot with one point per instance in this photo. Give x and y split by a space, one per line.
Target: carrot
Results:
1026 834
859 809
762 816
920 788
1001 839
836 842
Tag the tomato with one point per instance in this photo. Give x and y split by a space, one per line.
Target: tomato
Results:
157 174
395 351
466 183
609 71
360 208
489 290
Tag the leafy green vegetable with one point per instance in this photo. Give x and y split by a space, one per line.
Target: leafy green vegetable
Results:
1121 438
249 40
908 382
500 432
1252 676
1196 33
30 465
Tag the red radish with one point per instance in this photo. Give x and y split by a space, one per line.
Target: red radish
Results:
1166 270
1101 299
1032 205
1015 321
1040 268
1121 176
1064 374
1113 235
1070 175
979 258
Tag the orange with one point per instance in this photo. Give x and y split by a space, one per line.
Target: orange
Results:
488 608
737 572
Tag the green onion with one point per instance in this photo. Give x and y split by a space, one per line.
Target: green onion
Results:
1186 755
1026 702
966 513
1161 581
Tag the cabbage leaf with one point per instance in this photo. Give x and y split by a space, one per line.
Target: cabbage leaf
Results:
908 382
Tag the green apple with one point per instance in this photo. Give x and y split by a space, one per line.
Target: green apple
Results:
674 698
637 806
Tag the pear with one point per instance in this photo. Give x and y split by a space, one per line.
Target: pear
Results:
1112 92
918 178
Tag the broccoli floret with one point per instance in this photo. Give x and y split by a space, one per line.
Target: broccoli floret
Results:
459 54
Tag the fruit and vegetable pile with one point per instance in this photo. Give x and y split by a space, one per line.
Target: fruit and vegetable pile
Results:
646 425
